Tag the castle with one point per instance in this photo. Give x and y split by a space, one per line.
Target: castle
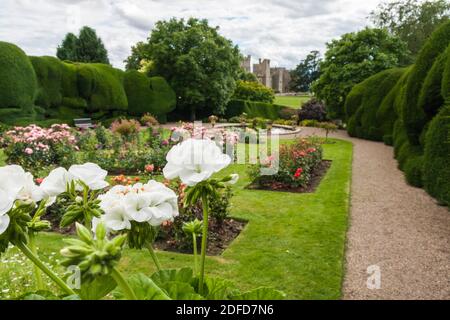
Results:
276 78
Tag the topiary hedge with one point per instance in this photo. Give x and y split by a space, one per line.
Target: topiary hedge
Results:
436 168
17 83
414 117
49 73
364 102
253 109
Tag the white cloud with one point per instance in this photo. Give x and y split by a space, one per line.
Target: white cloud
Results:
281 30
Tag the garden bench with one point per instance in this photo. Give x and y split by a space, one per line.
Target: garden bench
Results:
83 123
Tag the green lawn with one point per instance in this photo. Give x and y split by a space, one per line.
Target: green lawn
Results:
293 242
291 101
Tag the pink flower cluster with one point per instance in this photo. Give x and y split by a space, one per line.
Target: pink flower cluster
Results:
188 130
40 139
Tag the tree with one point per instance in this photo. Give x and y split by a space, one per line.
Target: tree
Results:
87 47
199 64
67 50
306 72
411 20
353 58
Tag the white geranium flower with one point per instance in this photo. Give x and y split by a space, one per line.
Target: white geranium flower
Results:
112 203
194 161
30 191
12 181
56 182
90 174
4 222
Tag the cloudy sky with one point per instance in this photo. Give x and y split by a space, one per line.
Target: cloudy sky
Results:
281 30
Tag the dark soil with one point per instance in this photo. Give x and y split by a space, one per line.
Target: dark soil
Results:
219 238
316 176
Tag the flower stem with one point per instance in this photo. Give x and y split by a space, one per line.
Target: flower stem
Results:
36 270
194 240
30 255
204 242
123 284
154 256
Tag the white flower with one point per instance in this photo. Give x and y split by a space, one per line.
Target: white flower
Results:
56 182
151 203
12 181
90 174
234 178
194 161
4 222
30 191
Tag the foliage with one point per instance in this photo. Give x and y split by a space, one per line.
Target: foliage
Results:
148 120
364 101
128 129
253 109
247 76
253 91
306 72
412 21
313 110
17 83
148 95
351 59
295 163
199 64
87 47
414 117
436 171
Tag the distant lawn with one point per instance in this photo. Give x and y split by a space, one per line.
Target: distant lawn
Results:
291 101
293 242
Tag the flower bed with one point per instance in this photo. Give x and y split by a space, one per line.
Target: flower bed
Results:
296 167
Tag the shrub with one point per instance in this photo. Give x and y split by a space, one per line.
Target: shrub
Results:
17 82
287 113
148 120
252 109
137 88
436 168
296 162
413 171
372 91
49 77
253 91
313 110
414 117
126 128
163 98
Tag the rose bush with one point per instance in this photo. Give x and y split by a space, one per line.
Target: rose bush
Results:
295 163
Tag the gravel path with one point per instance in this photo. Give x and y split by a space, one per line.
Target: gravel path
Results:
394 226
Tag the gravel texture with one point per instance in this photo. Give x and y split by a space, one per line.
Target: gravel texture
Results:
394 226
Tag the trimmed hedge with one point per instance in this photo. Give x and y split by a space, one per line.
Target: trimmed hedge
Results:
415 117
17 81
436 168
33 88
253 109
364 102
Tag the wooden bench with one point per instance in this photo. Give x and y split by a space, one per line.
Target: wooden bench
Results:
83 123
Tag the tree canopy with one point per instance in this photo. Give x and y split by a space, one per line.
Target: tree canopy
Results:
200 65
353 58
87 47
411 20
306 72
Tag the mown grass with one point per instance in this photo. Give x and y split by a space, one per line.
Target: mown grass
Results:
291 101
293 242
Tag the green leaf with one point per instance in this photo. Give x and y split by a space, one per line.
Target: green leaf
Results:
38 295
98 288
219 289
262 293
144 288
182 275
180 291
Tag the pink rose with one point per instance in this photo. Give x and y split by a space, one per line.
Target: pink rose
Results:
29 151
